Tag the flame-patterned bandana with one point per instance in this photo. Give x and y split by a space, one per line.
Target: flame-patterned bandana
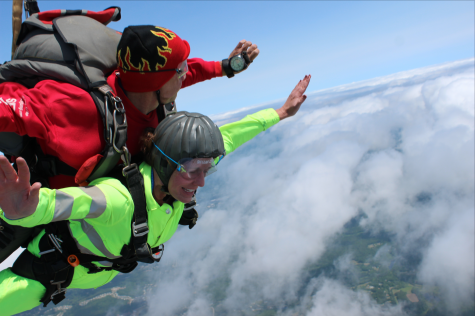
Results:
147 57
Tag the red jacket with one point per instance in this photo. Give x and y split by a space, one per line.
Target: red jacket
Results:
65 121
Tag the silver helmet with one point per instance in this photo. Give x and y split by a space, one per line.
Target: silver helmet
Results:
184 135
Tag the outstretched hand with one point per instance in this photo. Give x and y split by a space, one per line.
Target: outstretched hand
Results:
295 99
243 45
17 198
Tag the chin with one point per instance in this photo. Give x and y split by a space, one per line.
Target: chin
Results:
184 199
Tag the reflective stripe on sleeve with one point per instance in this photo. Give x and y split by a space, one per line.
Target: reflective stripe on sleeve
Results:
98 204
63 206
95 239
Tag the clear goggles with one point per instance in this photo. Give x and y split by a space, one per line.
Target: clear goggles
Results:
182 70
193 168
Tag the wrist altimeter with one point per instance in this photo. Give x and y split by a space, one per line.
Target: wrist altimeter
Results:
235 64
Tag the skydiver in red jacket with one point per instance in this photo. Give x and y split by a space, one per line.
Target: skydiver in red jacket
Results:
64 119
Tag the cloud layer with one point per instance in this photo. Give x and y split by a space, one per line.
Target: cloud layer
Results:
399 149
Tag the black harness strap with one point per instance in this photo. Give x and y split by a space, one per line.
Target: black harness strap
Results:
125 264
51 270
50 166
42 166
114 120
31 7
135 184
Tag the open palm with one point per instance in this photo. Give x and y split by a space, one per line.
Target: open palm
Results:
295 99
17 197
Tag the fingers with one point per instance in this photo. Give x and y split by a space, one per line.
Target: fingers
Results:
23 170
306 80
238 49
8 173
302 86
34 193
244 45
239 45
254 54
253 51
2 174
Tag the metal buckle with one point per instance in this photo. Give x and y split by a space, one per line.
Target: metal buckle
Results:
140 229
111 132
46 251
169 108
130 170
116 128
59 290
55 240
159 254
106 109
125 156
118 101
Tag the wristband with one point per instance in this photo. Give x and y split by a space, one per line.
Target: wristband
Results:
227 68
246 58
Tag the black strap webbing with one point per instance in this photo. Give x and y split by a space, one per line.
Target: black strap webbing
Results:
115 129
50 166
125 264
31 6
135 184
51 270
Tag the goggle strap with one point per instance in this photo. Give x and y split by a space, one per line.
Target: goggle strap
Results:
179 166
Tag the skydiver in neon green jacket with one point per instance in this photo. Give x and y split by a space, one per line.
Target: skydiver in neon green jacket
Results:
181 152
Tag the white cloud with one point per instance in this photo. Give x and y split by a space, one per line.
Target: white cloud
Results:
449 261
334 299
398 148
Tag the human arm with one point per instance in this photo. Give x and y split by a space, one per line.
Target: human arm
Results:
200 70
237 133
37 111
12 107
29 206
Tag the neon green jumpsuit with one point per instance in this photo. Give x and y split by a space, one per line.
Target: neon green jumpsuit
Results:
100 217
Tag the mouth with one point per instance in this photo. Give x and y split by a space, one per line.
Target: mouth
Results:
188 191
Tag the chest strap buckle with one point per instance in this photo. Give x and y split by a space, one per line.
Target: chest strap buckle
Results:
140 229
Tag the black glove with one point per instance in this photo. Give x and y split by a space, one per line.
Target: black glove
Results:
189 218
190 215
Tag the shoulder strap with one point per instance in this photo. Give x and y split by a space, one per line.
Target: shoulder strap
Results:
115 129
31 7
135 185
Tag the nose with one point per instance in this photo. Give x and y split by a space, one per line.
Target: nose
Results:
200 180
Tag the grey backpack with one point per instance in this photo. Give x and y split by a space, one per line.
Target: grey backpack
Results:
73 46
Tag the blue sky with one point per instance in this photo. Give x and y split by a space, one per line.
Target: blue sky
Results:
337 42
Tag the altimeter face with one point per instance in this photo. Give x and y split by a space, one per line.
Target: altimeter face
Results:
237 63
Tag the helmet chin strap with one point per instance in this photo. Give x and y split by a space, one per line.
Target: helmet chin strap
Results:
163 188
163 110
169 199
